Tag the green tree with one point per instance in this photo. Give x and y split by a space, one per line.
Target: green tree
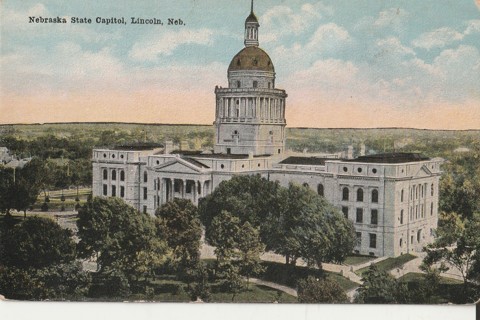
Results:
460 184
19 187
237 247
7 192
456 246
37 243
294 222
179 224
312 290
379 287
225 230
120 237
200 287
27 185
306 226
250 198
66 281
250 248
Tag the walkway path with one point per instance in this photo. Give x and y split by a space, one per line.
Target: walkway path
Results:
274 285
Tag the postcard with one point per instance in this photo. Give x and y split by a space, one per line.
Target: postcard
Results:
280 152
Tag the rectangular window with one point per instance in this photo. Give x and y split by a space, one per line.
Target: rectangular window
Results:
359 215
145 193
373 240
122 191
114 191
358 240
105 189
374 216
145 209
345 211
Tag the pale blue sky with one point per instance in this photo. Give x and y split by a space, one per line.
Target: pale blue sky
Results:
340 61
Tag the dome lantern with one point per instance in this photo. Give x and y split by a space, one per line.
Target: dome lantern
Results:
251 29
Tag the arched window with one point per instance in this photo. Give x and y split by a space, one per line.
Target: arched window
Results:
401 242
401 196
359 194
122 175
345 193
114 174
375 196
105 174
255 84
145 176
306 185
320 189
401 216
238 84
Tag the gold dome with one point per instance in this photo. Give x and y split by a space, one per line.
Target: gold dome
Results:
251 58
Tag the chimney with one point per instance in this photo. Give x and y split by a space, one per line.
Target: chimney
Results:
168 146
350 152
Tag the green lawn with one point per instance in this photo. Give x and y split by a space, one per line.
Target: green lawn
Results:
167 289
283 274
389 264
357 259
448 291
415 277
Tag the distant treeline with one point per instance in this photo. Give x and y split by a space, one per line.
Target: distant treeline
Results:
76 140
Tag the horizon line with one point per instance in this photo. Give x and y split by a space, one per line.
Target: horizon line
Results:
211 125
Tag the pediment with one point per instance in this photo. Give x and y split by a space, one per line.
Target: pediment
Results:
423 172
178 165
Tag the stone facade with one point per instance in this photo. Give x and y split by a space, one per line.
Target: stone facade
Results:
392 199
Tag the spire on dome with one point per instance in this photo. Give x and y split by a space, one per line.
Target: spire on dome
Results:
251 29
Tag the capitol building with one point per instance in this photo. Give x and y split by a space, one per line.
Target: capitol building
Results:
392 199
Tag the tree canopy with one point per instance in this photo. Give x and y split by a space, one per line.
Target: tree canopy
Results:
293 221
323 290
457 246
119 236
179 224
19 188
36 243
379 287
306 226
